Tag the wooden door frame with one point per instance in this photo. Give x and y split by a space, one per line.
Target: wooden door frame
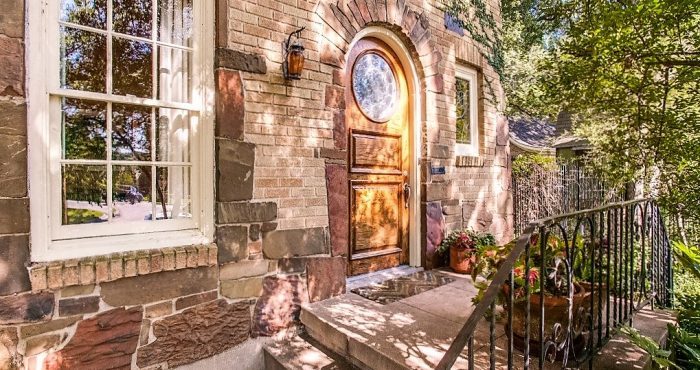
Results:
415 244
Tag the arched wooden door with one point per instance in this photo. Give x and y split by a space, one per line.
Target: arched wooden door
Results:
378 116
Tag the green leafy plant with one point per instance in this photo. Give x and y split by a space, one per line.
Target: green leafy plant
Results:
684 339
688 256
554 260
660 357
466 239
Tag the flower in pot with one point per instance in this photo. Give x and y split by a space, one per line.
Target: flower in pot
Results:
462 246
555 297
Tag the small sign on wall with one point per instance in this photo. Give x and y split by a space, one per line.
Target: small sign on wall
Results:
440 170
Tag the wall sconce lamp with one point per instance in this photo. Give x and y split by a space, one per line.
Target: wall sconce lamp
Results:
293 63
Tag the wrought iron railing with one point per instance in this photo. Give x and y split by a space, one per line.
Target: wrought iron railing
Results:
596 268
559 189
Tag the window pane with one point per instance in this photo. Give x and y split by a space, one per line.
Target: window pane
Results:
91 13
173 135
132 66
84 128
174 74
133 17
84 192
463 112
131 132
175 21
173 193
131 193
83 60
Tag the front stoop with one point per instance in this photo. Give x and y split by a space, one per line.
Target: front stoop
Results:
415 332
412 333
302 353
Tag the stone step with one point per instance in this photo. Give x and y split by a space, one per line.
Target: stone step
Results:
302 353
414 332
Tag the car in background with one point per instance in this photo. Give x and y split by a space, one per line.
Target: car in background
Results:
128 193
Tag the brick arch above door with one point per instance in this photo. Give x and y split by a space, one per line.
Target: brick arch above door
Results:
343 19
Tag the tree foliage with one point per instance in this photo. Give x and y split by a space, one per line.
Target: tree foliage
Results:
629 72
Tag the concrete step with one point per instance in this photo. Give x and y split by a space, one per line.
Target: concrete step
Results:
621 353
302 353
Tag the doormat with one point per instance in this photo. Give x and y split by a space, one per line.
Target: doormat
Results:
403 287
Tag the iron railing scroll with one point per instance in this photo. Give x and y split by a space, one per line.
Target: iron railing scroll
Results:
602 265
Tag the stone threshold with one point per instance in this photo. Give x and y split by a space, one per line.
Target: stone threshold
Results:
91 270
377 277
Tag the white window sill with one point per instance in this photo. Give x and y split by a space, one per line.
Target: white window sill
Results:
96 246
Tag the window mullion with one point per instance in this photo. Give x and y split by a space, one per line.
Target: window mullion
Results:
109 162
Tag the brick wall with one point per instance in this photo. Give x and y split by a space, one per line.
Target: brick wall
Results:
280 155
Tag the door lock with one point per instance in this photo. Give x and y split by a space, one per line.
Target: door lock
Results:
406 194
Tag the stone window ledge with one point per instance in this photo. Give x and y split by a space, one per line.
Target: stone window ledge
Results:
469 161
91 270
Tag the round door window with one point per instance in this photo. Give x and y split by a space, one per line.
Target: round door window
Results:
374 86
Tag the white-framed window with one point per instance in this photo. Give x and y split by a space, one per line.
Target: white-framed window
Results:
466 111
120 125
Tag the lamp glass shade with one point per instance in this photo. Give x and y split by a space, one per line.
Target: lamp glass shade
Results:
295 61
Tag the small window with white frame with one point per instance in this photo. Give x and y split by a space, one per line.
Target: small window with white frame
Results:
466 112
118 120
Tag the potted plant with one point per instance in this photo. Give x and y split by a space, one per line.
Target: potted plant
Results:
555 296
462 246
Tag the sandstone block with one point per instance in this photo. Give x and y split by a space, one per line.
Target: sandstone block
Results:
230 100
14 257
295 242
160 286
335 97
78 306
106 341
40 344
9 358
14 215
435 232
245 212
279 306
159 309
243 269
196 299
235 169
232 243
326 278
12 18
28 307
12 60
337 189
242 288
49 326
13 165
232 59
198 332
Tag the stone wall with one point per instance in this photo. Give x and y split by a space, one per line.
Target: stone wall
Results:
280 167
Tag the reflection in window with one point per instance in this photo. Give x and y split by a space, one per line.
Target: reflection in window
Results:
126 159
462 101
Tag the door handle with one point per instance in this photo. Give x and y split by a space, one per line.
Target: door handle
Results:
406 194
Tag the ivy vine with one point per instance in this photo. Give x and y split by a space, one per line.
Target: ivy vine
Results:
475 17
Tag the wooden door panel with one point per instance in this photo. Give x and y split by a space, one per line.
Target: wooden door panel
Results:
378 164
376 217
372 152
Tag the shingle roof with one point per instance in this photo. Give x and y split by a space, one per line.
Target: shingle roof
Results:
532 132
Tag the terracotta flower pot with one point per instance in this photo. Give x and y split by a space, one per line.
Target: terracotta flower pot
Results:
555 312
462 260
